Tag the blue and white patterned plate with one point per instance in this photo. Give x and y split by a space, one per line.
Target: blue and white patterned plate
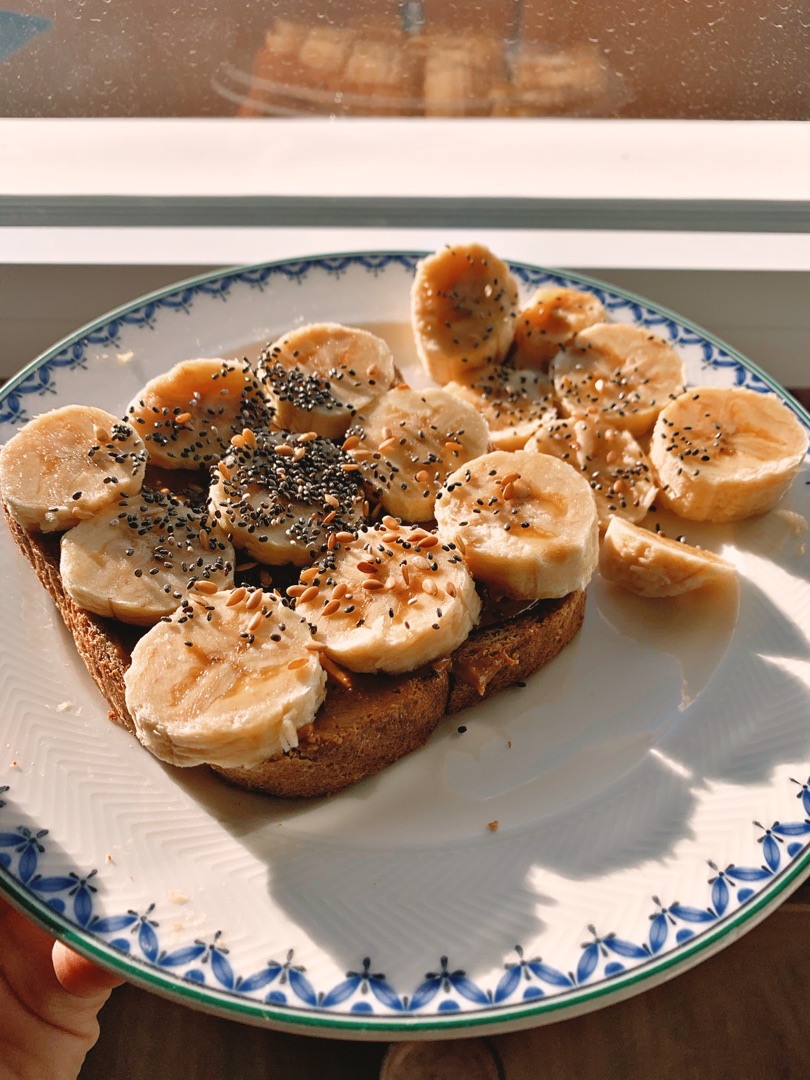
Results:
651 786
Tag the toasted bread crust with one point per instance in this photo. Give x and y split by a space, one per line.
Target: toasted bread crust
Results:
358 731
362 726
103 644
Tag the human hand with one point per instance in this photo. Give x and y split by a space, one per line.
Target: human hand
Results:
49 1001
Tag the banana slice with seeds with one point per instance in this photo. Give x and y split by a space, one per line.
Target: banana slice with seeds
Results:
512 402
280 495
187 415
318 376
620 370
391 600
135 560
68 464
611 460
726 453
525 522
408 442
228 679
553 315
650 564
464 302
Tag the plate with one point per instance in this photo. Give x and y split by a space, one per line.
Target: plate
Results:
629 811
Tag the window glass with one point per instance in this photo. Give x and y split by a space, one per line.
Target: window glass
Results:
727 59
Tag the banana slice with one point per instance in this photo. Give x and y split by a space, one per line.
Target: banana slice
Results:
280 495
613 463
650 564
228 680
187 415
726 453
464 302
135 560
319 376
408 442
623 371
392 600
526 523
68 464
512 402
553 316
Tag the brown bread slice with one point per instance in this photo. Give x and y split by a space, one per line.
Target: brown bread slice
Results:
366 723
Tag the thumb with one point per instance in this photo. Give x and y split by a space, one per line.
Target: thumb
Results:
81 977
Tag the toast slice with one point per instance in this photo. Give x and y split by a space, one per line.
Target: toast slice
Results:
367 721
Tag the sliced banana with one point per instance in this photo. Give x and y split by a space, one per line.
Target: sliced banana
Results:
68 464
392 600
464 302
726 453
553 315
228 680
187 415
611 460
526 523
512 402
620 370
318 376
650 564
279 495
135 560
408 442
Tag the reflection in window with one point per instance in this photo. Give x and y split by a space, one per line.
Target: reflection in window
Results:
636 58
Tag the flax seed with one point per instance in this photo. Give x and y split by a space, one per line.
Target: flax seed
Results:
207 587
337 673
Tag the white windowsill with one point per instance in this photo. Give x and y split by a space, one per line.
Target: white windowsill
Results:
411 158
